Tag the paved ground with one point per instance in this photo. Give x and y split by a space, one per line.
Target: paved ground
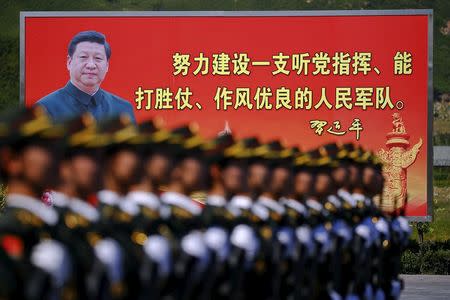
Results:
431 287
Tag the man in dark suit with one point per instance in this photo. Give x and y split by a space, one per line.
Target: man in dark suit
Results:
87 63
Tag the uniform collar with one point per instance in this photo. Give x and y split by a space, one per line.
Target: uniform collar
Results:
59 199
295 205
84 209
180 200
334 200
146 199
108 197
216 200
82 97
33 205
347 197
314 204
271 204
241 202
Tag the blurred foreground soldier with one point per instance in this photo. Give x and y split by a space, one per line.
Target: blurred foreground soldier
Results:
373 180
303 177
279 178
226 160
121 171
389 233
177 272
186 177
41 265
373 186
257 172
340 218
121 156
349 153
346 177
258 169
312 187
323 182
137 215
226 170
144 193
142 196
78 218
153 147
188 173
303 277
78 169
279 247
121 168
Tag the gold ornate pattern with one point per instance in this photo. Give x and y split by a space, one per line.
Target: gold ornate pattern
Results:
396 160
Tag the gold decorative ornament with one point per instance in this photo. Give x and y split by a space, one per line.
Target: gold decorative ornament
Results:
396 160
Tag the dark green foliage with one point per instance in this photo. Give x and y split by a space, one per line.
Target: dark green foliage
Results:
441 176
430 257
9 75
410 263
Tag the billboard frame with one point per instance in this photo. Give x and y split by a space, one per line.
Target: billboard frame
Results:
281 13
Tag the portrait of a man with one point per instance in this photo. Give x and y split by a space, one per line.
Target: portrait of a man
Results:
88 59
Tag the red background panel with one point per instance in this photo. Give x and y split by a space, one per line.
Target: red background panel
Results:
142 50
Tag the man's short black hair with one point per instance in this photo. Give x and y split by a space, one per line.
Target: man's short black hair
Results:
89 36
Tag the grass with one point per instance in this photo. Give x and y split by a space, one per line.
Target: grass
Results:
440 228
441 126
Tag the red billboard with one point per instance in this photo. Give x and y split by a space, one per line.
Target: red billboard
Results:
307 78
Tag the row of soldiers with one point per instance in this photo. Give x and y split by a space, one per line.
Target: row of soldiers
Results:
143 212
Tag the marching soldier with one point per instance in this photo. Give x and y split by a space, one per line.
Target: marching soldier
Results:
42 265
226 170
187 176
78 225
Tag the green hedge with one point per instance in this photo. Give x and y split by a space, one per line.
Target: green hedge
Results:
430 257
